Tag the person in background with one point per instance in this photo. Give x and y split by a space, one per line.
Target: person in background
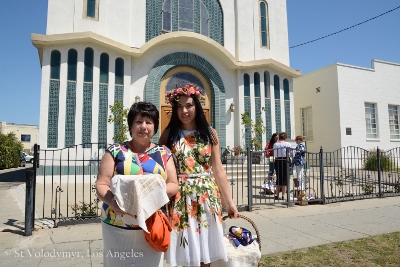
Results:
270 155
299 160
134 157
197 235
280 148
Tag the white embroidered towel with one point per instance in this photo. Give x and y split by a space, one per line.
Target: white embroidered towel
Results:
139 195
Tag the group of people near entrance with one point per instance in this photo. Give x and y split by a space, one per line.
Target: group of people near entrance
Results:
278 152
196 183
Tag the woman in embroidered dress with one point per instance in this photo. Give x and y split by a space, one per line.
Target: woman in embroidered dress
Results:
122 244
197 235
299 161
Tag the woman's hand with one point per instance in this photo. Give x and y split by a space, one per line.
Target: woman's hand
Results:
232 211
115 207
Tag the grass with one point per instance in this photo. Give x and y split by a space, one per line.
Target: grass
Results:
381 250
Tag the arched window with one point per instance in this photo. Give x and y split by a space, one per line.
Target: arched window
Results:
87 98
267 85
70 102
91 9
88 71
267 103
54 91
166 16
72 64
119 71
55 62
185 15
257 85
204 20
277 88
278 116
103 100
285 89
104 62
264 23
246 82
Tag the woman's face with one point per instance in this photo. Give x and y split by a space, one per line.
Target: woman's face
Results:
187 111
142 129
298 141
276 138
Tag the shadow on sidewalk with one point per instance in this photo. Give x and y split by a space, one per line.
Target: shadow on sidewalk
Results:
14 175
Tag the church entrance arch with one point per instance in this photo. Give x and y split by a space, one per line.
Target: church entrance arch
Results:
204 71
178 77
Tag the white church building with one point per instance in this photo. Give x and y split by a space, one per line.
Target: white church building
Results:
97 52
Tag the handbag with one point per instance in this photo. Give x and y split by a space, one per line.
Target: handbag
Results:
159 231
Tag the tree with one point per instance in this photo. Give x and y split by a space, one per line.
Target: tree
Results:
257 129
118 117
10 149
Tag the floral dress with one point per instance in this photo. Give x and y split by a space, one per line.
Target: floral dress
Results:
197 234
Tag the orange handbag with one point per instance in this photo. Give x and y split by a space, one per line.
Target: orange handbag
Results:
160 230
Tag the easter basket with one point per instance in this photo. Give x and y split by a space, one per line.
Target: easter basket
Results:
243 249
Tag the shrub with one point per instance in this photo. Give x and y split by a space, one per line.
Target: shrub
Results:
86 210
10 149
371 162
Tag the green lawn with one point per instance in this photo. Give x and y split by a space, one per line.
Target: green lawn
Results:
381 250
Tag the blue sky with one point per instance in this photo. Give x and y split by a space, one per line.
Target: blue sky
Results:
307 20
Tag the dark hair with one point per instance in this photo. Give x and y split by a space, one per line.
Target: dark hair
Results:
202 126
272 140
282 136
144 109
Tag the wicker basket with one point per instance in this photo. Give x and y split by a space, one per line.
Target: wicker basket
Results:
254 226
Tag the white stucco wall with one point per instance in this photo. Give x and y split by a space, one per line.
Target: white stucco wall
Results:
22 129
249 44
380 85
325 107
341 104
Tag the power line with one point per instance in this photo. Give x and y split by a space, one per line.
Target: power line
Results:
345 28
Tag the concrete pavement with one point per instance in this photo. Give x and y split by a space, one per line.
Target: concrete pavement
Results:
281 229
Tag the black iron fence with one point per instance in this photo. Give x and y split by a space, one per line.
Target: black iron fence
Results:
64 180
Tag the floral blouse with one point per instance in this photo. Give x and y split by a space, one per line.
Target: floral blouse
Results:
299 155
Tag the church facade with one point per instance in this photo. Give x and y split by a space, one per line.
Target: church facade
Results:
97 52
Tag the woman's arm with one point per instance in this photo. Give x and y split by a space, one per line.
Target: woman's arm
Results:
172 180
222 180
106 172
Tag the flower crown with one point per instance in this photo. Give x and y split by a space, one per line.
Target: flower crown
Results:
186 90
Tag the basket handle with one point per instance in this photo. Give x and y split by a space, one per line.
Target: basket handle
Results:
252 223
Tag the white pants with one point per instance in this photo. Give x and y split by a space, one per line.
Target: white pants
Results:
299 174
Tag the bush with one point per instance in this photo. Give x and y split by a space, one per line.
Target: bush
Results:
371 162
10 149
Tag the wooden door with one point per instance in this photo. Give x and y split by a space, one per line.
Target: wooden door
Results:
166 113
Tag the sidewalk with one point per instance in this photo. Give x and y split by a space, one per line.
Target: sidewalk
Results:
281 229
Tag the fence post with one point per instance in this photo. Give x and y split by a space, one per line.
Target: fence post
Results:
249 179
36 149
321 173
378 154
29 210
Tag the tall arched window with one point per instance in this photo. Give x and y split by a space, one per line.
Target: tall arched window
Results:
87 98
277 89
103 100
185 15
119 86
257 101
288 125
54 91
71 98
267 103
264 23
247 108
